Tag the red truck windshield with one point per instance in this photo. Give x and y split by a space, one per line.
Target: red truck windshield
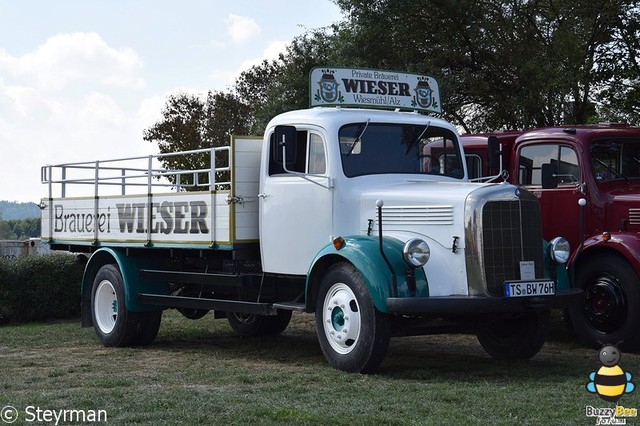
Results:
377 148
616 159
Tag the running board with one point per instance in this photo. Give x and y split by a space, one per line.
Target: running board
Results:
218 304
290 306
208 304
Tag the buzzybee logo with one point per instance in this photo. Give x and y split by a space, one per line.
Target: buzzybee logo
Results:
610 382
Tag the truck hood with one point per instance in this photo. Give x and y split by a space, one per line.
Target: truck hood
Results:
624 203
433 211
419 192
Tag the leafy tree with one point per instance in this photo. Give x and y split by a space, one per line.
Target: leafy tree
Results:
514 63
500 63
5 231
620 68
282 85
24 228
191 123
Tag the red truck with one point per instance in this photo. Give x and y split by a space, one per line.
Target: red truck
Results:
587 179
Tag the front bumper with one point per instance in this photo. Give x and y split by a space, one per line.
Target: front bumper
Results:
481 304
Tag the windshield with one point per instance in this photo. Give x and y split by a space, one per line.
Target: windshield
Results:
377 148
616 159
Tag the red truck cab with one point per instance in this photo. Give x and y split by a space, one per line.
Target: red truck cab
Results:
587 179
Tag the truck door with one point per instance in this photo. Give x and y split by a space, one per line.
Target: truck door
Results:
559 206
295 206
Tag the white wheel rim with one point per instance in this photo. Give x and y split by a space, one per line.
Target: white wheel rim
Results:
341 318
105 306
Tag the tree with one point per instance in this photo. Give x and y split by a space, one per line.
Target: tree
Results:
6 233
24 228
514 63
500 63
191 123
620 97
282 85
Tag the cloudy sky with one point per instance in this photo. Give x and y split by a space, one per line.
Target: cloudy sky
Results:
81 79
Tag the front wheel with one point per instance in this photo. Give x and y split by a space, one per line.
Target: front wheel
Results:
353 334
113 323
518 336
609 312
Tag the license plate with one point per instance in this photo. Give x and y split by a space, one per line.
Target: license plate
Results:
529 288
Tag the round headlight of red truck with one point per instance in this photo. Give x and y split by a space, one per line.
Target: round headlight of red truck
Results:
416 252
559 250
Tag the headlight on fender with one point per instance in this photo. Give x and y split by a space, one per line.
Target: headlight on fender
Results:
559 250
416 252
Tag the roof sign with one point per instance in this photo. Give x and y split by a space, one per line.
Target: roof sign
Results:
373 89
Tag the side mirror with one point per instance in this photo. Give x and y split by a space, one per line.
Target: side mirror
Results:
493 152
549 181
285 140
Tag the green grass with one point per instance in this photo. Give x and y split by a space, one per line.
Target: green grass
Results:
202 372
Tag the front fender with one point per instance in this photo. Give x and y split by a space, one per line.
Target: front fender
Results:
363 252
625 244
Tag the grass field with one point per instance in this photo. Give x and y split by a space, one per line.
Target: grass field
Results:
202 372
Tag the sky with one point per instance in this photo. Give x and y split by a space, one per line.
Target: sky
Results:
80 80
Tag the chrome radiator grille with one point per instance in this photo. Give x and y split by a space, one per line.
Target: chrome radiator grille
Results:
511 232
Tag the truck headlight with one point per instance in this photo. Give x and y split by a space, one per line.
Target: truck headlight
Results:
416 252
559 250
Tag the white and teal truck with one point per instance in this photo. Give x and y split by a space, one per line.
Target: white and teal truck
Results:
364 217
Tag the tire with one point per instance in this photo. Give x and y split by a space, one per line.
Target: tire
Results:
518 336
251 325
148 327
610 310
193 314
278 323
113 323
353 334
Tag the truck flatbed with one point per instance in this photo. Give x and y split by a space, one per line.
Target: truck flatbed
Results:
156 207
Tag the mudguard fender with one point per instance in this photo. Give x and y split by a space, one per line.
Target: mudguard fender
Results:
364 253
623 243
133 284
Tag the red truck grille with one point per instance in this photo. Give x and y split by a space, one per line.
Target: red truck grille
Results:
511 232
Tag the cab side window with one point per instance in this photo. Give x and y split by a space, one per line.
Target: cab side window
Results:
563 159
317 161
309 158
299 163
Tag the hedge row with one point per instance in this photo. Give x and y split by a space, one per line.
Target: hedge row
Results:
35 288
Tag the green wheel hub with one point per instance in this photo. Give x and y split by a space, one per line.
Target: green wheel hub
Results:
337 319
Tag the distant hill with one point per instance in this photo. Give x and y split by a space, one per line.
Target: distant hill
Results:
12 210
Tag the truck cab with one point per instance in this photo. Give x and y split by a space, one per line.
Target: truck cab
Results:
587 179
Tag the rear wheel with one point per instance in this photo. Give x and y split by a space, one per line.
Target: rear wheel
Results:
113 323
193 314
353 334
259 325
609 312
518 336
148 327
278 323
